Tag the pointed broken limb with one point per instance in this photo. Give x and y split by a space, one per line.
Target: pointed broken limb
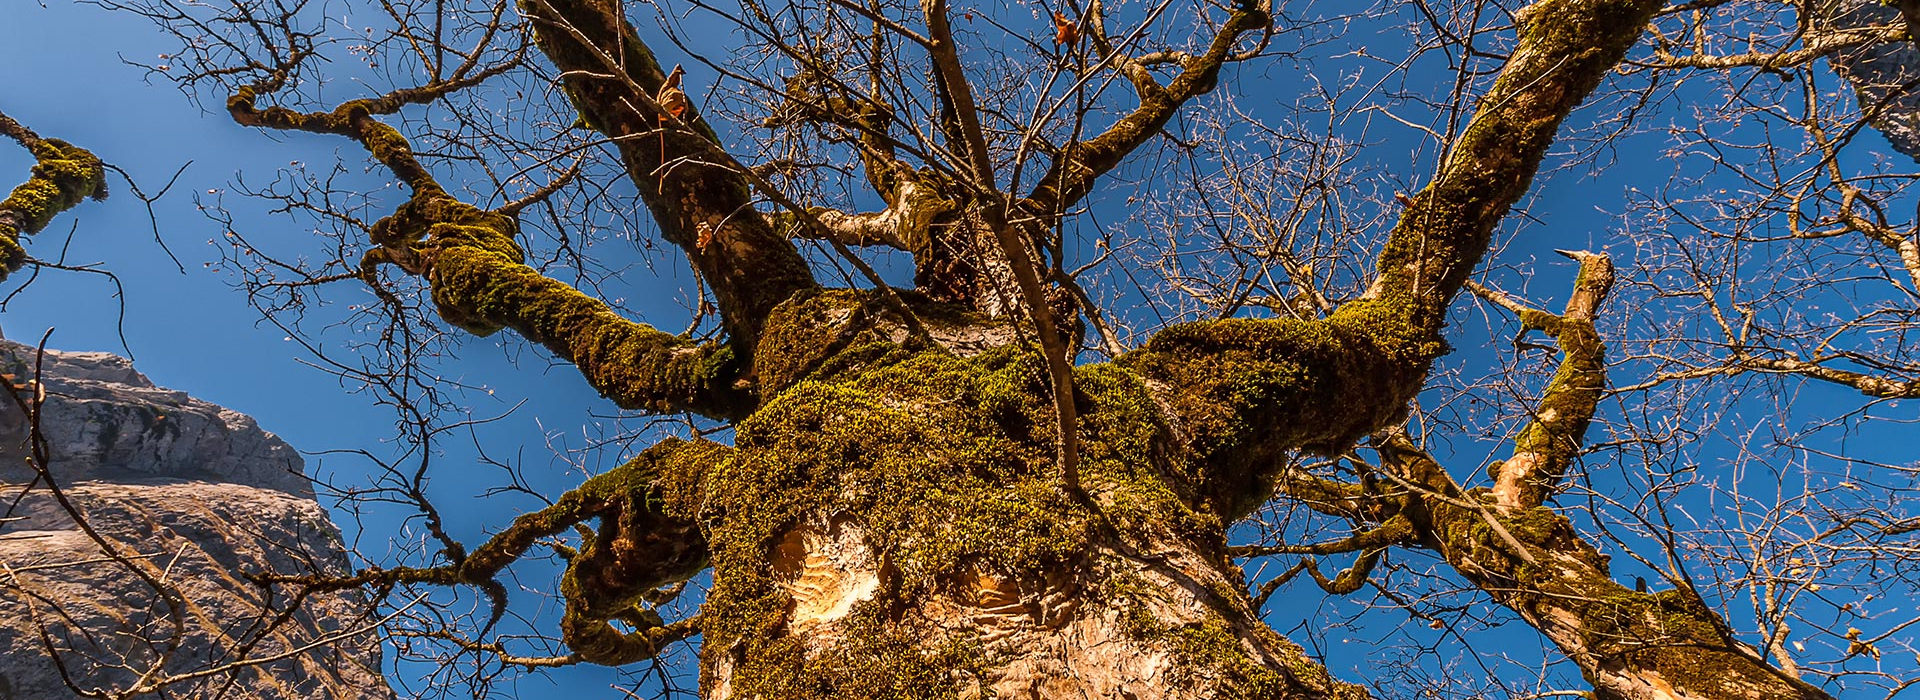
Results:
1253 390
1548 444
1631 645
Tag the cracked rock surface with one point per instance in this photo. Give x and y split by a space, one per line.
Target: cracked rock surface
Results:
195 496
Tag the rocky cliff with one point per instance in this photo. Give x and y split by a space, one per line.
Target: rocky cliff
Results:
178 499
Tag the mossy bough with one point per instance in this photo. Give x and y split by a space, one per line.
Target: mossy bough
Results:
63 175
1252 390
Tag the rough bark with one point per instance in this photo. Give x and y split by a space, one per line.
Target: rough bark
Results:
1114 624
892 525
1631 645
887 498
891 520
702 205
63 175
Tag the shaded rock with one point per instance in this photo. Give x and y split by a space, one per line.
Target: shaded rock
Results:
195 497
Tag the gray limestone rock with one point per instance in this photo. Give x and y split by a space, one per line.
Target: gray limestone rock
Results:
192 494
104 420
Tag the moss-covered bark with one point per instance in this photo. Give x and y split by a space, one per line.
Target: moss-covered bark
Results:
914 492
1631 645
480 282
1247 391
1252 389
63 174
891 520
483 289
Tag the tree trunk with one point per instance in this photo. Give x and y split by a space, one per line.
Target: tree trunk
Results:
893 525
1118 624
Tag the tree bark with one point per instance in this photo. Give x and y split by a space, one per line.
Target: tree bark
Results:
1631 645
63 175
1116 624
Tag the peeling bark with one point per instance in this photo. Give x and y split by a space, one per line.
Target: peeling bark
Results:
893 519
1116 625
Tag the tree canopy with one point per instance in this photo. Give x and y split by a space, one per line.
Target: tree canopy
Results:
1111 349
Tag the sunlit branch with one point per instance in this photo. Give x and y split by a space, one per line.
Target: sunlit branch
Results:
62 176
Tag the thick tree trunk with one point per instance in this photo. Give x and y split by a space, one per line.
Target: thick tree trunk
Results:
893 525
1119 624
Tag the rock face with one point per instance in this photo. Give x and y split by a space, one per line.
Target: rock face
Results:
1883 74
194 497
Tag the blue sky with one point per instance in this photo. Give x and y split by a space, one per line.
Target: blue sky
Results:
61 74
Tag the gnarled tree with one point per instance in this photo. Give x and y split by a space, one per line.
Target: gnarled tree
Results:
942 488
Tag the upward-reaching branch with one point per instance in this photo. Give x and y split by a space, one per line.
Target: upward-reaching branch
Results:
1548 444
1015 246
1252 389
1073 172
701 206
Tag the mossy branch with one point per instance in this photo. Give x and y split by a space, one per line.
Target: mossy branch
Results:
480 282
1552 440
1533 561
636 550
1395 531
63 174
1252 390
1566 47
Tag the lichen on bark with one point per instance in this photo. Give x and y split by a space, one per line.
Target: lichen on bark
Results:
62 176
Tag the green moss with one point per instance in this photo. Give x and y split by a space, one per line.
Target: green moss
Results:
1211 653
63 175
1568 586
945 463
480 283
880 661
1256 389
